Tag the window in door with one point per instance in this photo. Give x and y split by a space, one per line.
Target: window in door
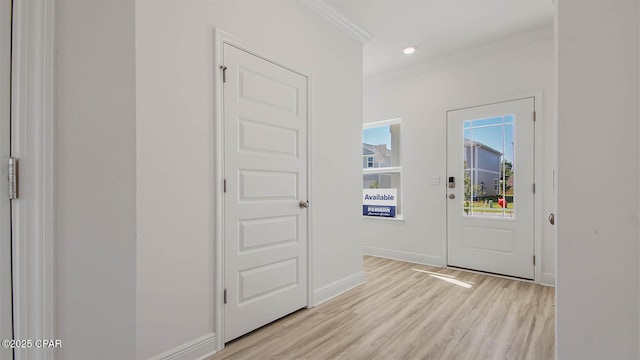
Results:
488 159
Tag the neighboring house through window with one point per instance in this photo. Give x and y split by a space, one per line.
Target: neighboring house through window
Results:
482 164
376 156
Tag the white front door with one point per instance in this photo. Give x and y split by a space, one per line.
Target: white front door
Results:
490 165
265 169
6 319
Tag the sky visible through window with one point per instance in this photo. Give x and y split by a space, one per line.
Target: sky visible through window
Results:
482 131
377 135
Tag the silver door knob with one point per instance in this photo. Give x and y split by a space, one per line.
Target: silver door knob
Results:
552 219
304 204
452 196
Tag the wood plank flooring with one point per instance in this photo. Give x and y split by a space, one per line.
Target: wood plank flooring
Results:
409 311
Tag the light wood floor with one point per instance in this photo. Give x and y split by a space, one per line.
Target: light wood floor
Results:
409 311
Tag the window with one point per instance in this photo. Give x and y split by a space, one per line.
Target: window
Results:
382 168
489 149
369 162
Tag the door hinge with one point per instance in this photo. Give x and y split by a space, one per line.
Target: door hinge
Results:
224 73
225 296
534 260
534 116
12 175
534 188
224 185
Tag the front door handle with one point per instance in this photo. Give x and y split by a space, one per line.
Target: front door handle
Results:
304 204
552 218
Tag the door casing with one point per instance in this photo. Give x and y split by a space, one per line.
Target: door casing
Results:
538 171
32 213
6 292
221 37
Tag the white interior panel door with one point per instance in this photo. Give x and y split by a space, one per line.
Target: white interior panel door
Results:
6 318
490 211
265 167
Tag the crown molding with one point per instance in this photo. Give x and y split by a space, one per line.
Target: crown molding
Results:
540 34
336 18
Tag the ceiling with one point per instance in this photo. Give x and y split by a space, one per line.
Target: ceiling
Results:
437 27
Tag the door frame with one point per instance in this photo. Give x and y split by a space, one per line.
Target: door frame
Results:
33 144
220 38
538 210
6 288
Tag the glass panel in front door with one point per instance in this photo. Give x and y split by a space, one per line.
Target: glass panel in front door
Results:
489 168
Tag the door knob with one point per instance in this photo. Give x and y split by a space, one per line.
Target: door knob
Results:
452 196
304 204
552 218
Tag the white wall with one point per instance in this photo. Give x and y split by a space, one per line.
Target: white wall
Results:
597 295
134 151
420 98
175 68
95 167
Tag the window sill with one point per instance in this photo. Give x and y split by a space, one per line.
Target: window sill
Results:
398 219
382 170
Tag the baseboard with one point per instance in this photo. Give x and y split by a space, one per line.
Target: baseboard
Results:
200 349
404 256
339 287
548 279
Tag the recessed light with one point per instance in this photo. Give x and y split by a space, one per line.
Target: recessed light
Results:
409 50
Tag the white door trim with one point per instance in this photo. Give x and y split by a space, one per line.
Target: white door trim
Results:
538 156
222 37
32 144
6 291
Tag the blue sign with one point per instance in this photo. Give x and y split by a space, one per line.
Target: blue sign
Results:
379 210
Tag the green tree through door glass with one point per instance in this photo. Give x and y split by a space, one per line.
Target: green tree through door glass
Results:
489 167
